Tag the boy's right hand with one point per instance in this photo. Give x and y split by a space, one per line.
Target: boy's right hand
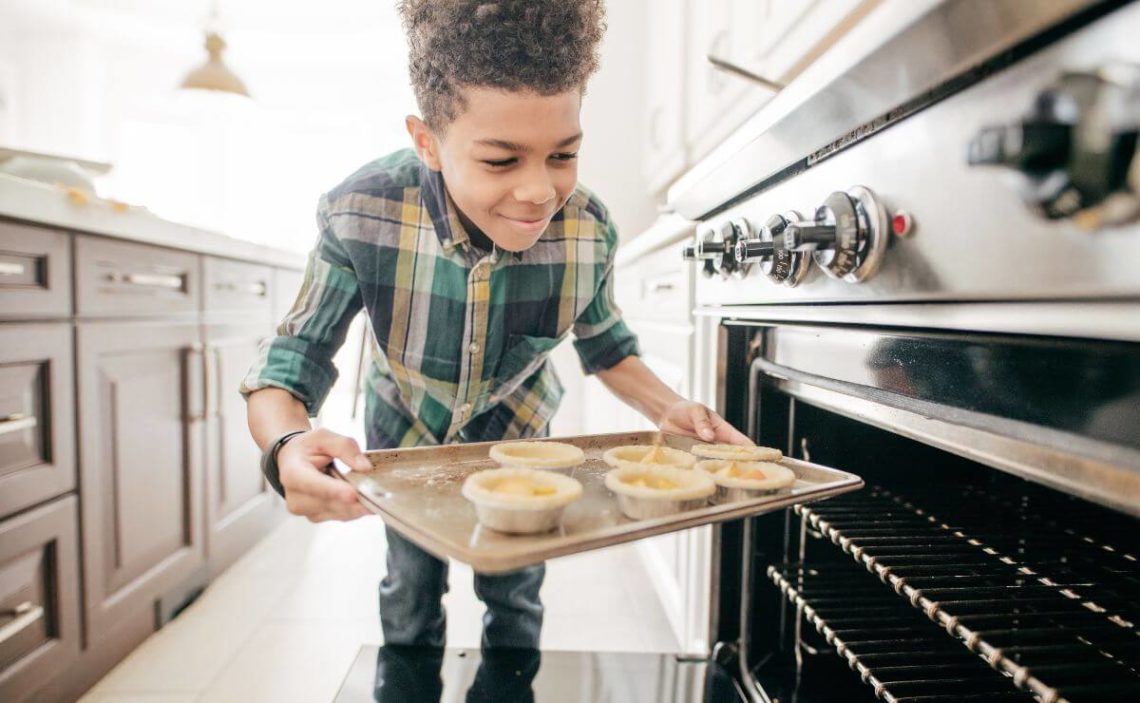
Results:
309 491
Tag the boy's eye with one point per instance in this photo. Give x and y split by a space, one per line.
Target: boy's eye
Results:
500 163
565 156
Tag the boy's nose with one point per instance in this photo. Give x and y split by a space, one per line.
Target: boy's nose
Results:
535 190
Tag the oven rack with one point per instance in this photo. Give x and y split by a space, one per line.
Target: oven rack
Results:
1020 594
892 647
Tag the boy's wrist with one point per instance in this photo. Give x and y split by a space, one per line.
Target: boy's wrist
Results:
269 467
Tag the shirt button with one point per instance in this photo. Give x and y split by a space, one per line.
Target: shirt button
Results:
465 408
448 247
474 347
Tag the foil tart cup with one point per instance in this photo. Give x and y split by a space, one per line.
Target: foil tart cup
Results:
518 521
638 508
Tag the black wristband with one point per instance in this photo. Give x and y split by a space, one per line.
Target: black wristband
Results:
269 460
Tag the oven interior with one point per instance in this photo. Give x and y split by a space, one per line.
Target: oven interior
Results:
942 580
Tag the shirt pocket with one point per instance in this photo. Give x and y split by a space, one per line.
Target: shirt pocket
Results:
522 357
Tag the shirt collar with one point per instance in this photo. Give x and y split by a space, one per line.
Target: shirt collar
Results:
444 213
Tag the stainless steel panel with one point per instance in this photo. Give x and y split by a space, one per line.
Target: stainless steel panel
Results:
417 491
973 238
1118 320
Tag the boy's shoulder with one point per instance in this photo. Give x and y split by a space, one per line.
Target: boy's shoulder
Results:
584 204
387 176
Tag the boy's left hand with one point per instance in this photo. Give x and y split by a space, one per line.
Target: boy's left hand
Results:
690 418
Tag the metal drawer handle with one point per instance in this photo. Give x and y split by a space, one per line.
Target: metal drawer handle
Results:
258 288
7 268
663 287
738 70
147 280
16 422
25 614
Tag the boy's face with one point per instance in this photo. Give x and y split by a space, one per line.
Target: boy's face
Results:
509 160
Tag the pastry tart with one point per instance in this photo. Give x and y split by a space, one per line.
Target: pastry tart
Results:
518 500
537 455
653 490
736 452
740 480
653 454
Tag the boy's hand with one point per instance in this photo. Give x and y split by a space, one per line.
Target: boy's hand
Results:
308 490
695 420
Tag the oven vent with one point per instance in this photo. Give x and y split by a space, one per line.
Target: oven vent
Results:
1039 600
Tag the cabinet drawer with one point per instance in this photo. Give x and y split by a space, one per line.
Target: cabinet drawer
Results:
39 598
658 287
124 279
286 286
37 415
236 286
35 272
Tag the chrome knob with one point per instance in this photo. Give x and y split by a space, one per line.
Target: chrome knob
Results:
783 265
847 237
716 247
834 237
749 250
1076 148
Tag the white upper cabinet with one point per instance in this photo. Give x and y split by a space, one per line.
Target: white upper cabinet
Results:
691 105
663 136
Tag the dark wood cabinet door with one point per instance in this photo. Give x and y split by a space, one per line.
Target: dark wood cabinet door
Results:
240 505
39 598
37 414
141 423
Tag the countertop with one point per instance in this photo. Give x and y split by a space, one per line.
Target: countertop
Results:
667 229
39 203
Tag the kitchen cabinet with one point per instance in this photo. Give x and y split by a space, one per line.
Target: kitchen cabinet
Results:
655 290
37 414
125 279
691 106
35 272
240 505
127 475
140 391
39 598
663 138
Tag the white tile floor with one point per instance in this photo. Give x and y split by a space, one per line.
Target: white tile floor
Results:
286 621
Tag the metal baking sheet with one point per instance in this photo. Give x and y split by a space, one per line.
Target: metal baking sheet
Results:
417 491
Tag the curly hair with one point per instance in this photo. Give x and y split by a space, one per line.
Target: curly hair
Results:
542 46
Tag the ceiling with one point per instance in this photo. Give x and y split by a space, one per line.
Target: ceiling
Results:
270 16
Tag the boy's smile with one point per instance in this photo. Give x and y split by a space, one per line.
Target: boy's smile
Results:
509 160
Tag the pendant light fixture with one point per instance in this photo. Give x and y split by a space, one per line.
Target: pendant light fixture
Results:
214 74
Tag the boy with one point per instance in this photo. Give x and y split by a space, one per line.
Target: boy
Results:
473 256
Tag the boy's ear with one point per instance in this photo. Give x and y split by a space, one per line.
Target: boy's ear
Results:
424 142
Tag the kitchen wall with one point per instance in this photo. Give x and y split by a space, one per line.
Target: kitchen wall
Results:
97 78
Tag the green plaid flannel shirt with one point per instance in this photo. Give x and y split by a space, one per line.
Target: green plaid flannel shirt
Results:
459 336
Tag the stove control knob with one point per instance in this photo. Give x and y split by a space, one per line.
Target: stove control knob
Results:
709 249
780 265
738 231
1077 147
787 266
847 237
716 247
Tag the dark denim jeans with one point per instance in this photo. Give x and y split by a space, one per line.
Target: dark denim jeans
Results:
411 612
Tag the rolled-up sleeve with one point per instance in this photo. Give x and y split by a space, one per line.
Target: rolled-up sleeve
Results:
602 339
299 358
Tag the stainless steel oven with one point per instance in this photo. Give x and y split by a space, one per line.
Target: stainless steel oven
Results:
923 265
